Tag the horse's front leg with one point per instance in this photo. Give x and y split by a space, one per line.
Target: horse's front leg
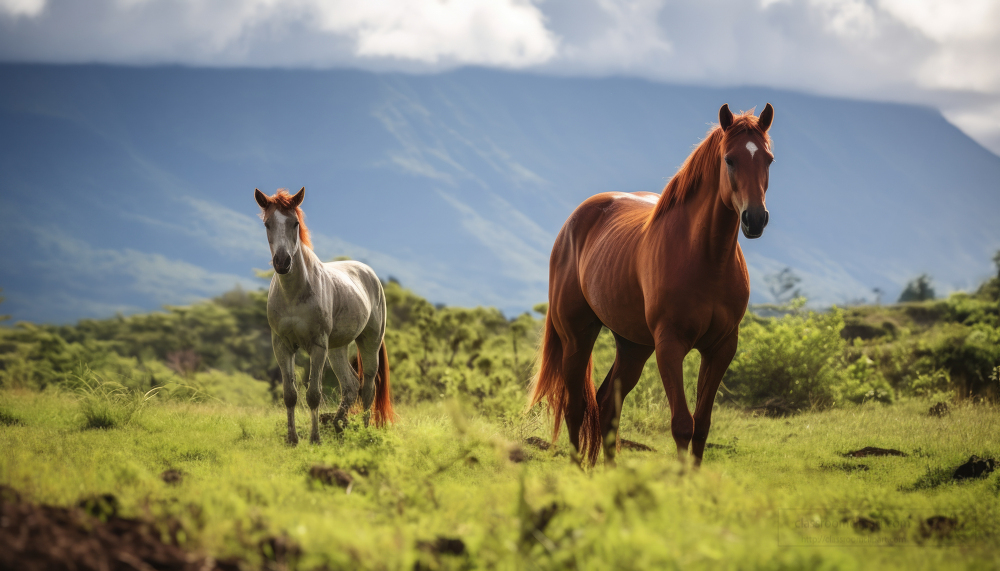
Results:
317 362
285 356
714 363
670 360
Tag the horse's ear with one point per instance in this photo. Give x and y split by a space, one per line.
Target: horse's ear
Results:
725 117
297 199
261 198
766 116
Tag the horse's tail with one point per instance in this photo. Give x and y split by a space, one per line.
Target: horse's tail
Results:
550 384
382 409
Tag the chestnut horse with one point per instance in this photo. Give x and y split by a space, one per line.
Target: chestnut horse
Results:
664 273
321 308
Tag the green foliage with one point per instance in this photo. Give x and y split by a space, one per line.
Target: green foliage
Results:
220 349
442 477
475 355
862 382
939 347
794 360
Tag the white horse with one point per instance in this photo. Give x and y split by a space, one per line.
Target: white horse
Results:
322 307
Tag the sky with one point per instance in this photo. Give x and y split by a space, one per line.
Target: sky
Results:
937 53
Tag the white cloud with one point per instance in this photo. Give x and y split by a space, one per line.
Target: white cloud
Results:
163 280
508 33
916 51
16 8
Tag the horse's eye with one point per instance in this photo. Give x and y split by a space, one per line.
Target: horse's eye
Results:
296 223
729 161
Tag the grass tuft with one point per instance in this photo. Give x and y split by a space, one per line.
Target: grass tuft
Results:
108 404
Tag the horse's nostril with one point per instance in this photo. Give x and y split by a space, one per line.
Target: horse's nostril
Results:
767 217
745 218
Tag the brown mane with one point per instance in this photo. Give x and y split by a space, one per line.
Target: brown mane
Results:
282 200
703 162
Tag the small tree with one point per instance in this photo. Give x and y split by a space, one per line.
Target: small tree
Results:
6 317
782 285
996 260
919 289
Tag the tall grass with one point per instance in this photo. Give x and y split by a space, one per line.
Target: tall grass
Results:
106 404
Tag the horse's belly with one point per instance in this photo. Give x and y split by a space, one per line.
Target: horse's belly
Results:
625 319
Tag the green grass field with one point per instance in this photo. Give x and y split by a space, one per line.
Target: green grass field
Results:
774 493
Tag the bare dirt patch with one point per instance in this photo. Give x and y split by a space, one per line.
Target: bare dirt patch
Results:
38 537
873 451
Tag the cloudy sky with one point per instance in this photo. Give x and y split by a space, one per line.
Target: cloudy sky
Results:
938 53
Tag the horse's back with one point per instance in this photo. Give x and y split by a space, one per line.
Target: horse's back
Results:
359 274
592 267
364 283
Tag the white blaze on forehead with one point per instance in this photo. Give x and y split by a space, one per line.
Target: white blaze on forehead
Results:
752 148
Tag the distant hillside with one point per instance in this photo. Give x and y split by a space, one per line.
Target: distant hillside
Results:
127 188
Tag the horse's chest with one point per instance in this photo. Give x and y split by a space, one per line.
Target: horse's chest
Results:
299 324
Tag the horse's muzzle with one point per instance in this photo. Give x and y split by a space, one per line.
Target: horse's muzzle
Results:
282 262
753 221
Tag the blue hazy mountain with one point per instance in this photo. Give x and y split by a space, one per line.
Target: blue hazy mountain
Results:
124 189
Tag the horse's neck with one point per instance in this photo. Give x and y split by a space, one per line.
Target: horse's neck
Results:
298 280
712 227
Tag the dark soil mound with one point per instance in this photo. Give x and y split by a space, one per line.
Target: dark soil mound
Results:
631 445
537 442
517 455
443 545
939 409
873 451
938 526
331 476
862 523
34 537
976 467
172 476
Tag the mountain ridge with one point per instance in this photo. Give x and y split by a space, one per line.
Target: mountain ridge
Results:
139 181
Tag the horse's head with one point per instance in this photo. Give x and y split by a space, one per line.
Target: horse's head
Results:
746 158
286 231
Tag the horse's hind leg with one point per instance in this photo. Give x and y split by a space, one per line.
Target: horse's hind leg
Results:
368 347
630 359
349 384
577 348
286 363
317 362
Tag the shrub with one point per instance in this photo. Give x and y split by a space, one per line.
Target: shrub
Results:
795 360
862 382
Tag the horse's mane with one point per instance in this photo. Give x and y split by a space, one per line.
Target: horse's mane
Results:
282 200
703 162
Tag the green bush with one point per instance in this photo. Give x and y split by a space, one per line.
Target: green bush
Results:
862 381
794 362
